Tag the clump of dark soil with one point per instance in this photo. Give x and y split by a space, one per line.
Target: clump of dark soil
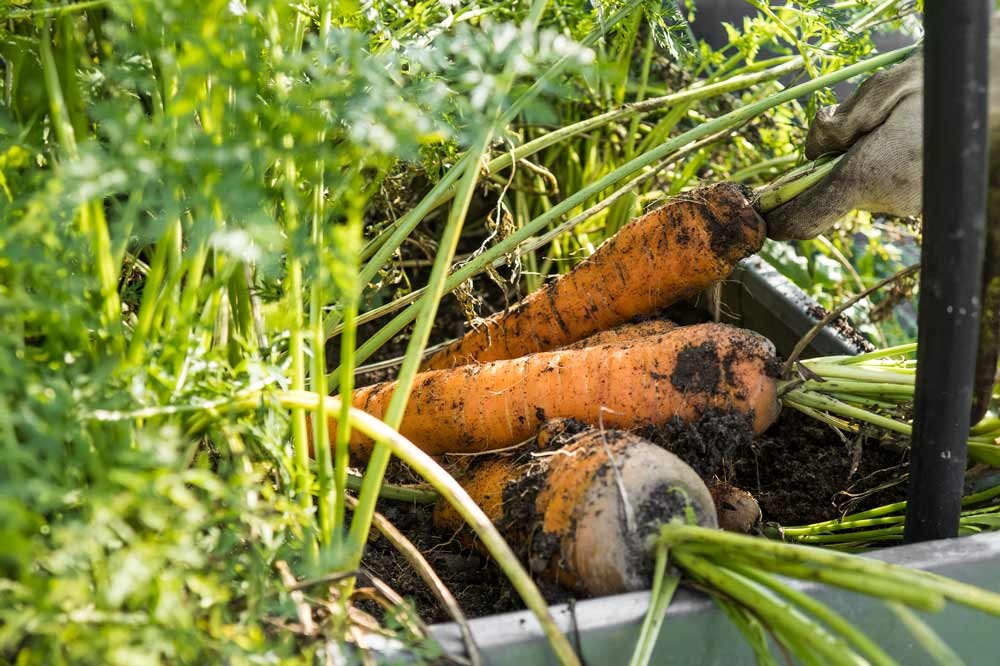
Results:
697 369
802 471
711 446
666 500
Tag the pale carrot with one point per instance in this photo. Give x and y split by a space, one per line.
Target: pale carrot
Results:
581 514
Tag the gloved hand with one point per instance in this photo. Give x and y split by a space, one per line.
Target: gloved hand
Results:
880 127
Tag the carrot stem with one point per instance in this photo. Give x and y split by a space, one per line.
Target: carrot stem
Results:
329 496
789 187
916 588
91 213
835 621
664 587
940 652
775 611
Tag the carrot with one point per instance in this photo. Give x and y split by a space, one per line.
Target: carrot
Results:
582 513
681 373
669 254
624 333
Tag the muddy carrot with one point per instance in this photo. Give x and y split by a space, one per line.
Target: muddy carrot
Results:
668 254
624 333
581 513
681 373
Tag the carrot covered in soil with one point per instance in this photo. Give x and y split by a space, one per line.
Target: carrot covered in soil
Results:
665 256
648 381
581 514
624 334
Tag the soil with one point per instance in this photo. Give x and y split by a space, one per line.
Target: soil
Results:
697 369
800 471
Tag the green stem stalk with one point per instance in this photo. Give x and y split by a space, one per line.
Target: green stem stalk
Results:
92 219
664 587
329 495
150 295
835 621
778 193
776 612
926 590
296 340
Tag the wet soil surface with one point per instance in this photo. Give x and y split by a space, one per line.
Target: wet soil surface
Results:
800 471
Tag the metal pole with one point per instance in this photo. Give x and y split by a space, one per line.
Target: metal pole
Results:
955 126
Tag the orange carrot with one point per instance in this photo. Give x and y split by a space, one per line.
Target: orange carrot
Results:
681 373
669 254
624 333
581 513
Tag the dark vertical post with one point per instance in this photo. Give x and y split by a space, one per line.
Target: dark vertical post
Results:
956 68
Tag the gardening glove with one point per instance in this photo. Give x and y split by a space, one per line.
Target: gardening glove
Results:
880 128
